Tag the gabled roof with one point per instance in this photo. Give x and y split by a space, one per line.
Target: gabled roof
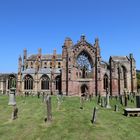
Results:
82 42
119 58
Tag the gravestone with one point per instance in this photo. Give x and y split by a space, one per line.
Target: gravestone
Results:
43 96
38 94
59 100
107 99
138 101
49 108
15 112
94 115
12 98
121 100
99 99
102 102
125 98
82 98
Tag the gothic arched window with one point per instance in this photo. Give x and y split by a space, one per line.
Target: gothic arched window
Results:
58 82
84 62
105 81
45 82
28 82
10 79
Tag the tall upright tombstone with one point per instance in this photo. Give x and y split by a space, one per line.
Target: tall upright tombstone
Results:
82 98
93 120
43 96
49 108
99 99
121 100
107 99
12 102
125 98
103 102
59 99
138 101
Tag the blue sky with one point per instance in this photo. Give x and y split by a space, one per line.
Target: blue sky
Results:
45 24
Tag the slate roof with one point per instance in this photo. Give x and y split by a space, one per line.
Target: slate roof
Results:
41 71
29 71
47 56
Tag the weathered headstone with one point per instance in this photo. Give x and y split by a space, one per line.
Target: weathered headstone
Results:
121 100
15 112
99 99
49 108
12 98
38 94
107 99
102 102
43 96
59 100
128 96
138 101
125 98
82 98
94 115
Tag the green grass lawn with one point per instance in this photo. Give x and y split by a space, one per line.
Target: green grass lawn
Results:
69 123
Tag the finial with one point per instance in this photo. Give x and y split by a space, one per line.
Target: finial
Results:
96 39
82 37
54 52
20 57
96 42
39 50
131 55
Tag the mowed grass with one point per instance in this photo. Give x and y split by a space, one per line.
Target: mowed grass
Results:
69 122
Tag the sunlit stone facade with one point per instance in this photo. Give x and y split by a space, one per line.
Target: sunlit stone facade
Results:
79 69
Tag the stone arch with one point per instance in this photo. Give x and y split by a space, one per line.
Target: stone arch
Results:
105 82
84 89
58 82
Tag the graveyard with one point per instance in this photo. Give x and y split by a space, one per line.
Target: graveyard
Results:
69 121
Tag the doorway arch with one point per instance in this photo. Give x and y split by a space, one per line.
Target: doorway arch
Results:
84 89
